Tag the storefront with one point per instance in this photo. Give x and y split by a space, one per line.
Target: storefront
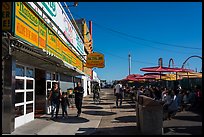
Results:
33 58
34 73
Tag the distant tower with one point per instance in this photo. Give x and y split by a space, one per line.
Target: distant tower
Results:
129 61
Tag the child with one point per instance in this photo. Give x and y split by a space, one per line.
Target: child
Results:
70 97
64 103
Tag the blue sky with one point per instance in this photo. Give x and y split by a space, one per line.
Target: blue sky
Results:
139 28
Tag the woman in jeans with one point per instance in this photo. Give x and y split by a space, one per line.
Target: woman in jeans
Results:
55 97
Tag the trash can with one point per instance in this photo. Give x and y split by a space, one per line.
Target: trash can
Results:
149 116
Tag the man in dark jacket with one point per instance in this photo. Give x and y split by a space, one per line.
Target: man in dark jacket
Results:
79 91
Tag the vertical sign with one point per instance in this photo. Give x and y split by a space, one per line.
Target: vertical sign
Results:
42 35
6 16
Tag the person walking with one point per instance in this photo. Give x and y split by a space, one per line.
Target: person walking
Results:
55 97
132 94
96 94
79 91
64 103
118 93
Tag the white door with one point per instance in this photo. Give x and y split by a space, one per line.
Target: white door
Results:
51 79
24 95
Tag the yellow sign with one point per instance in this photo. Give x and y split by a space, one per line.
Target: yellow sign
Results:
58 46
70 57
30 28
51 39
42 35
26 15
87 38
95 60
26 33
26 24
6 16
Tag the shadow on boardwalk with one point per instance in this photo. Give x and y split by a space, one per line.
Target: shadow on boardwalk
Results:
123 130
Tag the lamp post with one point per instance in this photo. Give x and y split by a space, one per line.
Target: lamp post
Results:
129 60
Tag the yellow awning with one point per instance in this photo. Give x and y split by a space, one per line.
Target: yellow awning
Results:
190 74
170 77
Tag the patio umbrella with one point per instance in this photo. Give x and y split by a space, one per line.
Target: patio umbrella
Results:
169 77
147 77
132 77
163 76
161 69
129 79
190 74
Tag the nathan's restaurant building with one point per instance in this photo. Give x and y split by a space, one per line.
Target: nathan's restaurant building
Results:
40 46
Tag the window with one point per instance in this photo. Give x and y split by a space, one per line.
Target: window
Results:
29 96
48 85
20 70
53 76
48 76
19 111
29 72
29 84
29 108
19 84
19 97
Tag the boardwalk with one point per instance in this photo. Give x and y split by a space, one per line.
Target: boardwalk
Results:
106 119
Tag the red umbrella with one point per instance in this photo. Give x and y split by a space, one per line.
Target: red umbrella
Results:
132 77
154 74
164 69
147 77
128 79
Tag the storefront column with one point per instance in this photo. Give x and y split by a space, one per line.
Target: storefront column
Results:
8 95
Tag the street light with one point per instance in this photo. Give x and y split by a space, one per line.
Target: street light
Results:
74 5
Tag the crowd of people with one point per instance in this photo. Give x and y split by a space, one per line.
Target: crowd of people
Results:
173 100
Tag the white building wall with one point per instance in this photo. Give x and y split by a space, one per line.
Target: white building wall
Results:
84 84
95 77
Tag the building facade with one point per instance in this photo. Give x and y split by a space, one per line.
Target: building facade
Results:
40 46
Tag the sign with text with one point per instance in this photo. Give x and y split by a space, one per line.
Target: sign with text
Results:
26 24
70 57
31 29
42 35
6 16
95 60
57 14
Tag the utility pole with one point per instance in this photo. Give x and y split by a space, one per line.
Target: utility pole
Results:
129 60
